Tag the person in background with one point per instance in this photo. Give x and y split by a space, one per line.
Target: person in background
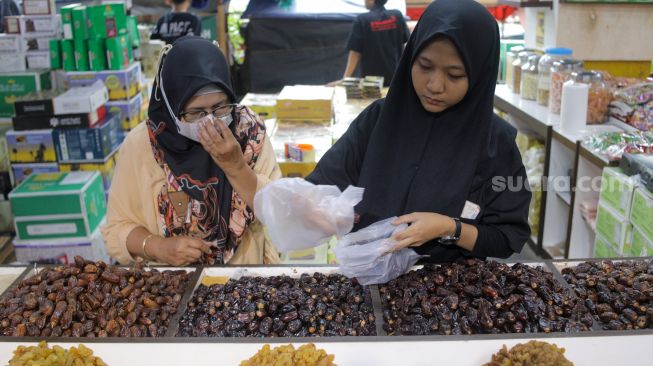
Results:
376 41
177 23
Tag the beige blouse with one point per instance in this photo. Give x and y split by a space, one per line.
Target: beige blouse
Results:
136 184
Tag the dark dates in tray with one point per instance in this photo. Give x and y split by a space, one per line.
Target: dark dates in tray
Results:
480 297
619 294
317 305
92 299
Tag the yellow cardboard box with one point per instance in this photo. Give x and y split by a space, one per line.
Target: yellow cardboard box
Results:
305 102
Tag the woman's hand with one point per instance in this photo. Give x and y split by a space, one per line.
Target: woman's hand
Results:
220 143
424 227
177 250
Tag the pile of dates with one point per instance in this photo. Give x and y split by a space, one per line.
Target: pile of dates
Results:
478 297
619 294
280 306
92 299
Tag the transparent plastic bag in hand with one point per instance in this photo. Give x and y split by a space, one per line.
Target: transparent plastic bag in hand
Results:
365 254
301 215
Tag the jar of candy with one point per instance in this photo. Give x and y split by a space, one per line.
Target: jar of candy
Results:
529 78
544 72
516 70
560 73
511 56
599 96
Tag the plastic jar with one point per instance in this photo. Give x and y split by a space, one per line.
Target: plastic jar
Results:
529 78
544 72
511 56
560 72
516 70
599 96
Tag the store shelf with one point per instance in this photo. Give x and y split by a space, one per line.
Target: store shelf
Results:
527 3
565 197
536 117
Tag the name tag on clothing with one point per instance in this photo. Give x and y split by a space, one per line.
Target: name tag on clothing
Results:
470 211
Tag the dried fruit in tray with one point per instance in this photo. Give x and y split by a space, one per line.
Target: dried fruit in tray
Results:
305 355
43 355
533 353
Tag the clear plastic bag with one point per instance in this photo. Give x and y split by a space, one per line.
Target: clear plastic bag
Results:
364 254
301 215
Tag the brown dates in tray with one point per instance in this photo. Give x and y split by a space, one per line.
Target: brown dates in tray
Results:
92 299
479 297
280 306
619 294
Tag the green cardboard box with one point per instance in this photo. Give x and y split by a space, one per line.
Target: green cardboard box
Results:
58 205
97 54
118 51
55 54
81 55
107 20
617 190
641 214
642 246
80 24
612 226
68 55
67 20
132 30
603 248
16 85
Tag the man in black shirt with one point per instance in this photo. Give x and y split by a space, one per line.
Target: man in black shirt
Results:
178 23
378 38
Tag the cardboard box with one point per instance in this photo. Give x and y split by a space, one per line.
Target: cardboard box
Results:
642 246
12 62
85 99
12 24
612 226
35 104
642 211
67 20
604 249
61 251
58 205
83 144
10 43
35 146
128 111
86 120
38 60
305 102
55 54
123 84
68 55
118 52
617 190
107 20
39 7
20 172
312 256
16 85
265 105
144 33
97 54
81 55
4 152
80 23
132 30
35 44
106 167
39 25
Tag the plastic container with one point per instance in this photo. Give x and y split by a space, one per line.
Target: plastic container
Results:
560 73
517 70
511 56
599 97
529 78
544 72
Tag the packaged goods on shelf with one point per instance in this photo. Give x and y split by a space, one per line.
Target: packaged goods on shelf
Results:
263 104
35 146
35 104
641 245
55 54
305 102
107 20
95 143
20 172
68 55
150 57
38 60
617 190
67 20
16 85
634 105
612 226
106 167
35 44
61 251
10 43
80 23
12 62
132 30
603 248
122 84
613 145
641 213
12 24
144 33
4 152
81 54
119 54
39 7
129 111
81 120
97 55
85 99
34 25
58 205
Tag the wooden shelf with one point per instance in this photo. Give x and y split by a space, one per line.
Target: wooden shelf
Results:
527 3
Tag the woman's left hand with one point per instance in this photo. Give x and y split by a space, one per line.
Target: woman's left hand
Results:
424 227
220 143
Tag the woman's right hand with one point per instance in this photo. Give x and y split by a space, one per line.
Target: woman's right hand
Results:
177 250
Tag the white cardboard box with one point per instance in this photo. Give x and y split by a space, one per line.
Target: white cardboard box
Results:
10 43
82 99
39 7
12 62
38 60
35 44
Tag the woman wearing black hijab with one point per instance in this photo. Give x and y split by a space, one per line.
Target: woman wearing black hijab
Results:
185 181
432 152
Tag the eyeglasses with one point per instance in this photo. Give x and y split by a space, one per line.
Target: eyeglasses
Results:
217 112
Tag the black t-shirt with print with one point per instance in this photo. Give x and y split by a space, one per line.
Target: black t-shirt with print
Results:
175 25
379 36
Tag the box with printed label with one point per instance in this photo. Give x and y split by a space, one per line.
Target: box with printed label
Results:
67 20
61 251
35 104
55 54
39 25
81 54
12 62
617 190
85 99
10 43
106 167
58 205
4 153
68 55
39 7
38 60
80 23
612 226
604 249
35 44
305 102
642 246
132 30
35 146
122 84
265 105
22 123
20 172
97 55
641 214
12 24
128 111
118 52
16 85
95 143
107 20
